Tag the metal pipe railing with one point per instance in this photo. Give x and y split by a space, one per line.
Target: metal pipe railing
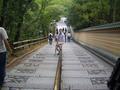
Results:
57 81
102 27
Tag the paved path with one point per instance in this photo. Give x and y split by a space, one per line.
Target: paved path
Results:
83 71
80 70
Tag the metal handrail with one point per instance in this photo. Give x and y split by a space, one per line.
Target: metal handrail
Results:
102 27
57 81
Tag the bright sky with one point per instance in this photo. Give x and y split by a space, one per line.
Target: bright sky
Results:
61 24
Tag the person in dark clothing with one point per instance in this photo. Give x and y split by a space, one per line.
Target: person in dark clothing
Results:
50 38
3 44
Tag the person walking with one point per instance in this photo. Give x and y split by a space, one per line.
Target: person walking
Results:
60 41
50 38
56 36
69 36
3 45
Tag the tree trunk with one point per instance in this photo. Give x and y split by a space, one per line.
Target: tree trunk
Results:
114 11
101 9
111 11
3 12
18 32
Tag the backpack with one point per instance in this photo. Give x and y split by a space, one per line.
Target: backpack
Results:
50 37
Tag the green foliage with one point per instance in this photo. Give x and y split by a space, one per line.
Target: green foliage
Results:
26 19
86 13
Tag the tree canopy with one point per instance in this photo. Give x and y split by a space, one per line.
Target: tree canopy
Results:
28 19
86 13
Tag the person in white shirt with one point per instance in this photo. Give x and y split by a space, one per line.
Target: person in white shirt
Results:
3 44
60 41
69 36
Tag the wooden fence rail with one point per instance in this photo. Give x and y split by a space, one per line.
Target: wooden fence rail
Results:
27 43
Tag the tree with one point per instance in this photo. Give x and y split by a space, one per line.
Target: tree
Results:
20 17
86 13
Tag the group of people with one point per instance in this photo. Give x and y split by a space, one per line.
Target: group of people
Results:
60 37
3 51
